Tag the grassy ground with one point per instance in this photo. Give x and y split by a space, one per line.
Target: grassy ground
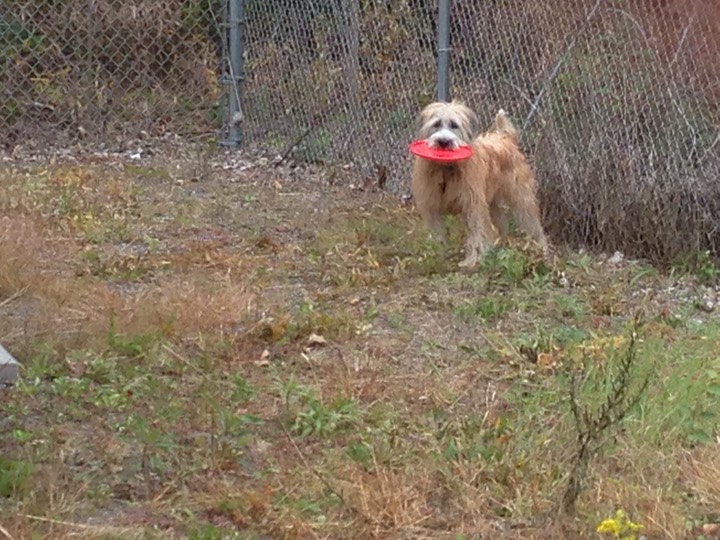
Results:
257 355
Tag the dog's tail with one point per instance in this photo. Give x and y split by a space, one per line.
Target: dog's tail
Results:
504 125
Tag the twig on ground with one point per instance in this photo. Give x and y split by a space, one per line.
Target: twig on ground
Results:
16 294
83 526
5 533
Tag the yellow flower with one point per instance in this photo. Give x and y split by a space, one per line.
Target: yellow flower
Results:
619 526
609 526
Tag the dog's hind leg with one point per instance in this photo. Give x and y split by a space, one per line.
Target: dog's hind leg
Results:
500 219
436 223
526 212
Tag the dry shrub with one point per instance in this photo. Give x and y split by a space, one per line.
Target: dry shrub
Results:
313 67
34 283
392 499
109 66
625 142
17 243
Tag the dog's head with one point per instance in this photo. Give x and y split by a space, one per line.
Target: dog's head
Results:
447 125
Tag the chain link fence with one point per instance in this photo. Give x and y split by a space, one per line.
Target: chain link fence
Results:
338 80
619 100
102 71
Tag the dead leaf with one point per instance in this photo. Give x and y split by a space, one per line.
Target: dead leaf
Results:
266 241
316 340
278 328
546 360
367 184
264 359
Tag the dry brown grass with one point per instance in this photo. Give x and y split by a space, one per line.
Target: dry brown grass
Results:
34 265
173 308
701 469
24 253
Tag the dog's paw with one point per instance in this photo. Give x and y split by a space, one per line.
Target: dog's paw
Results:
549 251
438 238
468 263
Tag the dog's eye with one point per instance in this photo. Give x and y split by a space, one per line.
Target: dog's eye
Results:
453 124
437 123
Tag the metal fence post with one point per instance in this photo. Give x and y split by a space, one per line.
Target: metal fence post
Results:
443 61
236 27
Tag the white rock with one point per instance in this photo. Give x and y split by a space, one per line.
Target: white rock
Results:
9 367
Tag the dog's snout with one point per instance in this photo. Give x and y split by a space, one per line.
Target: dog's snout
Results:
445 139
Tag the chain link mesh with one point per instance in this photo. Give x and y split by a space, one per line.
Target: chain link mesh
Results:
99 70
340 80
618 99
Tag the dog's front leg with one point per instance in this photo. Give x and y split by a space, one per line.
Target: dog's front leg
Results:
481 235
436 224
527 215
499 217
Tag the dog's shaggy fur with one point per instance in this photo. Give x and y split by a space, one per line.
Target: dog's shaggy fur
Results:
484 190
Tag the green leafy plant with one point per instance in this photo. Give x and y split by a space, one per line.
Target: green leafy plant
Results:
487 308
317 418
512 266
14 476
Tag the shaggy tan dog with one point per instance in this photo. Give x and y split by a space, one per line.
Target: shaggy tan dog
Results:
484 190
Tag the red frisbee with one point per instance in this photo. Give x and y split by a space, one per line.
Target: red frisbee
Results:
421 149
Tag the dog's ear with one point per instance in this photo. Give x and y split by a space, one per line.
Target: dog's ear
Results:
470 122
428 113
474 122
472 119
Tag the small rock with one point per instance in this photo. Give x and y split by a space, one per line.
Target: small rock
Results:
9 368
616 258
